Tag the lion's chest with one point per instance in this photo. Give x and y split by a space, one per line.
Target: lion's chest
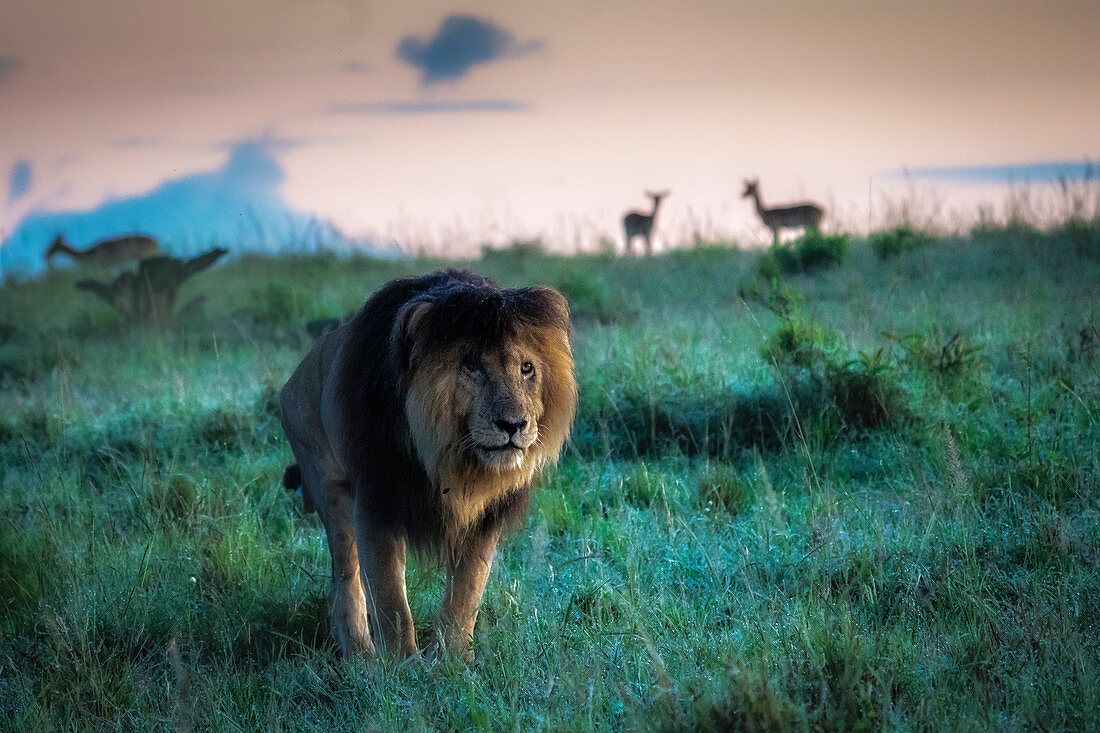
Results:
466 500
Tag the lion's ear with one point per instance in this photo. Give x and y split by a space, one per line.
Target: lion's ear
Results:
410 318
552 308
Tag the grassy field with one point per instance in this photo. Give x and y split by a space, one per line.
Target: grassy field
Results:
863 493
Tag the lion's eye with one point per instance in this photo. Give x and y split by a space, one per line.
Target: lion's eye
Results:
471 364
527 368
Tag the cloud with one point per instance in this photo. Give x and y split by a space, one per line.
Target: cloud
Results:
430 107
1050 171
237 205
461 42
8 67
20 180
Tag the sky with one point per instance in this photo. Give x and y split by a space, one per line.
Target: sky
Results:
436 126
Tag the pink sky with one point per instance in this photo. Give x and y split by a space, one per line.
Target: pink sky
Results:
588 104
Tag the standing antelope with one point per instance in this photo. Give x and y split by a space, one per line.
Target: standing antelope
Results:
793 216
107 252
637 224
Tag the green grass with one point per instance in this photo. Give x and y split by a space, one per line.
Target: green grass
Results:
865 497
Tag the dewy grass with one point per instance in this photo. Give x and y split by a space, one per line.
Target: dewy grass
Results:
718 549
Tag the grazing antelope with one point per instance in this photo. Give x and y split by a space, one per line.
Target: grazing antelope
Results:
107 252
637 224
793 216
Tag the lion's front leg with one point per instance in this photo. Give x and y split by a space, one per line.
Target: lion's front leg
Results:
467 572
382 563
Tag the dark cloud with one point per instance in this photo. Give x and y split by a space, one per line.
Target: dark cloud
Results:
461 42
1049 171
8 66
20 180
430 107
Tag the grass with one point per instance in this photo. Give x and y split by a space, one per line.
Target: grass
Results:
861 497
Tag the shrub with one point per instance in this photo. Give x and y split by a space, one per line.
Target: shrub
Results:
816 250
865 391
859 390
797 342
812 251
929 353
902 238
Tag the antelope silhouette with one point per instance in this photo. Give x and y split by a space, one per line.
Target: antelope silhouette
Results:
639 224
805 214
107 252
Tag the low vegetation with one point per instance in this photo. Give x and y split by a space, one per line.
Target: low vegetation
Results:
902 238
814 250
860 496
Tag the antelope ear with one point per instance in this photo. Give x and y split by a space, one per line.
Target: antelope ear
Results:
406 329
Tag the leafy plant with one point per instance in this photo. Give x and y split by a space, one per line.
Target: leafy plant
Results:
928 352
812 251
902 238
865 390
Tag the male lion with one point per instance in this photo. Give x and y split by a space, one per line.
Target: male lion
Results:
423 421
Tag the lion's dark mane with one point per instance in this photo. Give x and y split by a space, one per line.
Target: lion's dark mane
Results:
372 375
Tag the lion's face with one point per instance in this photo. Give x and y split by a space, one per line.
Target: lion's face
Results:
498 399
501 409
481 407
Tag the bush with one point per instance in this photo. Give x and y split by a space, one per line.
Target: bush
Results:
797 342
953 364
817 250
860 390
865 391
930 353
812 251
902 238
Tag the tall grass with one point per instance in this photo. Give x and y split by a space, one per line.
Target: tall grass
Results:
863 498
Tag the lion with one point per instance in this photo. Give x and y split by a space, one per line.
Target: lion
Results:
422 423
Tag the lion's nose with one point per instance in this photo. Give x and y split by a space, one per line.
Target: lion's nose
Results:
510 427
